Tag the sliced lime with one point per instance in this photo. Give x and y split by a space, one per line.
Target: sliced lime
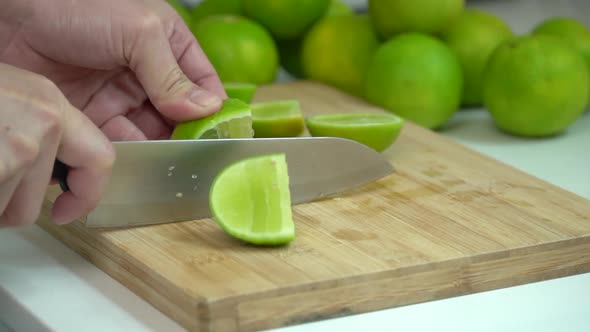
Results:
251 201
278 118
234 120
240 90
376 130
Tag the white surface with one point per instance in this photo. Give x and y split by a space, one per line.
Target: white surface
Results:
44 286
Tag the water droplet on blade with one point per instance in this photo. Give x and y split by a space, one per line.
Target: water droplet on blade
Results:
179 195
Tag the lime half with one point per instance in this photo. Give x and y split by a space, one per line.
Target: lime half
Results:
234 120
376 130
278 118
243 91
251 201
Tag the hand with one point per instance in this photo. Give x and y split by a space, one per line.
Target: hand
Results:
38 124
133 67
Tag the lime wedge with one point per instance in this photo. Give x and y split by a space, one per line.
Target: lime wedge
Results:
233 120
279 118
376 130
240 90
251 201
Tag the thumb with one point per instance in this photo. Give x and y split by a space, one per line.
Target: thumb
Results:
169 89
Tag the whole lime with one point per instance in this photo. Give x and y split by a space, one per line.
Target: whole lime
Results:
337 51
290 50
535 86
417 77
392 17
473 37
208 8
240 49
285 19
569 30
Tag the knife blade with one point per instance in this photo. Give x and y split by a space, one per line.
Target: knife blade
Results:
166 181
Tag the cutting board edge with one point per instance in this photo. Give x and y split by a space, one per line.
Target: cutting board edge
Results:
457 277
415 269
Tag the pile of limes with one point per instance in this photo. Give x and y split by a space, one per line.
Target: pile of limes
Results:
422 60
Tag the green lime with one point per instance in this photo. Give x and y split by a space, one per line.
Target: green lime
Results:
535 86
251 201
285 19
290 50
376 130
392 17
569 30
240 90
417 77
181 10
240 49
234 120
277 118
337 51
339 7
208 8
473 37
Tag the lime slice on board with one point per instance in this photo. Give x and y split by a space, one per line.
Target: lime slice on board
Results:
376 130
233 120
251 201
243 91
278 118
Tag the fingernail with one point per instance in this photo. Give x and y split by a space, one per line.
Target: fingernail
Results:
204 98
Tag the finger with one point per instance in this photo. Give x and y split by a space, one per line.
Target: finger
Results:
90 156
119 95
27 200
6 192
150 122
193 61
169 89
120 128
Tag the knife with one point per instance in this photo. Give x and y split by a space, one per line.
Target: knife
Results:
155 182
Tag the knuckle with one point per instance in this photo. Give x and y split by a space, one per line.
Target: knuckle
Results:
51 120
48 103
175 81
23 149
148 21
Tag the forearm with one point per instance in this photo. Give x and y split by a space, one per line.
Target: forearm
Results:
13 15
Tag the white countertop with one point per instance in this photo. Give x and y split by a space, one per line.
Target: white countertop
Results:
44 286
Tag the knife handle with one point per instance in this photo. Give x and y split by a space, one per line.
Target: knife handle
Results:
60 173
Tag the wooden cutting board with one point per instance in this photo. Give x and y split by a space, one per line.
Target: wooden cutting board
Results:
450 221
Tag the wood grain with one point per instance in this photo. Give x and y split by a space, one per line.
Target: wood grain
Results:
450 221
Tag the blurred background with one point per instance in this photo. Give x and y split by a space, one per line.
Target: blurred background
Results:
521 15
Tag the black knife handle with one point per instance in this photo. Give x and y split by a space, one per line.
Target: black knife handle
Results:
60 173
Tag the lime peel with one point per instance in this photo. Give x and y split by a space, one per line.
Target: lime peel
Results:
251 201
233 120
376 130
